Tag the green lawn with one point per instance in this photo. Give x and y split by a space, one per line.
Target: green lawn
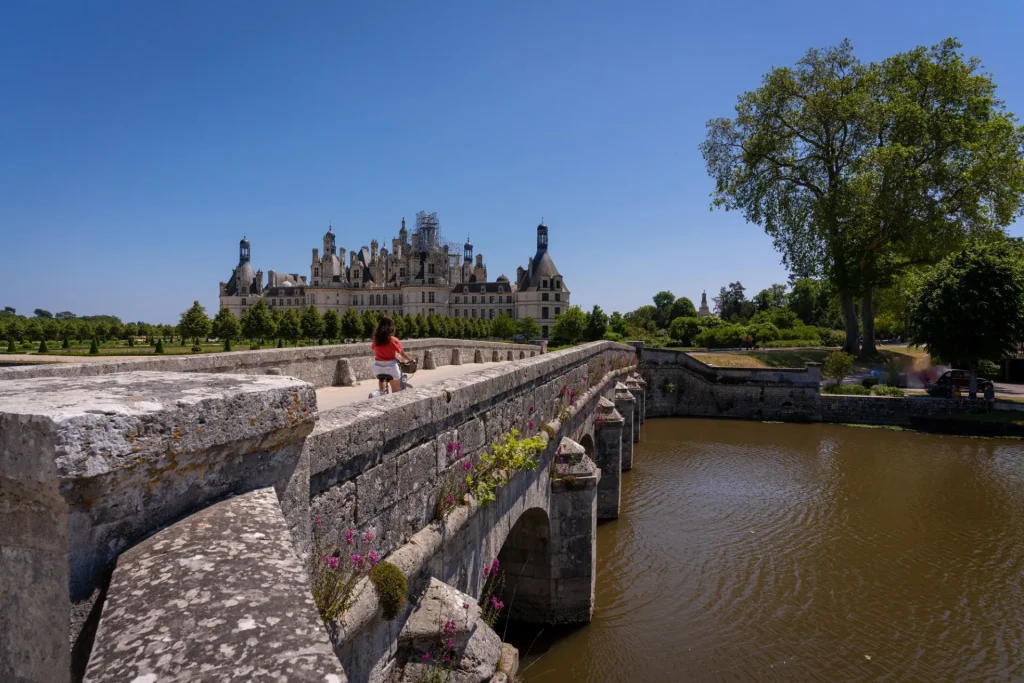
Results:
907 358
140 349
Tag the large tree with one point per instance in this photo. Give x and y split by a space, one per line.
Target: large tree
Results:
971 306
596 325
225 326
351 324
332 325
257 323
569 326
682 308
503 326
290 327
194 323
312 324
527 328
857 171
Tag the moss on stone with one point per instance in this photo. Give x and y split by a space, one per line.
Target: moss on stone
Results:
391 588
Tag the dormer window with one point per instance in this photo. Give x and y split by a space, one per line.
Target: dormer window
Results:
544 284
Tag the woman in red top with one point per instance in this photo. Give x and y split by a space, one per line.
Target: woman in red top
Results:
387 351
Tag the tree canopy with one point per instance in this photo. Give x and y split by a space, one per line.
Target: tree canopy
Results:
971 306
194 323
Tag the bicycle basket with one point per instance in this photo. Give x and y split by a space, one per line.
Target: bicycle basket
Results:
408 368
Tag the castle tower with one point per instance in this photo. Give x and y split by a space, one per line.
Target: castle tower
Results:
467 252
243 251
329 245
542 237
703 312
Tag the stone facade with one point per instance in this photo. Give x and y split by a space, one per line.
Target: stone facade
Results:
419 274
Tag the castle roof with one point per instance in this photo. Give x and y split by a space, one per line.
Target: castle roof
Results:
243 273
543 269
483 288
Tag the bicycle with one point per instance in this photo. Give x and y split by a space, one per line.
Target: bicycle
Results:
405 369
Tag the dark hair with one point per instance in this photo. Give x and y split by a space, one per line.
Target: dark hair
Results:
385 330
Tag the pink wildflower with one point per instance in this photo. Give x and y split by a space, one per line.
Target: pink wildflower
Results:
531 410
447 659
369 536
332 562
494 566
426 657
487 571
467 466
465 605
374 558
451 499
318 520
357 560
531 425
349 535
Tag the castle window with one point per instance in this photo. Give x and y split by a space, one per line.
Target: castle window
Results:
544 331
423 297
430 268
508 299
430 298
558 311
456 299
355 300
316 272
492 299
474 312
474 299
558 284
492 314
558 296
544 296
544 313
243 302
544 284
430 280
430 311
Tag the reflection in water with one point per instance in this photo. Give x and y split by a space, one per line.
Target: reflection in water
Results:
803 553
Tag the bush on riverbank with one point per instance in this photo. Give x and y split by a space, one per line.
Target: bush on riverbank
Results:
846 390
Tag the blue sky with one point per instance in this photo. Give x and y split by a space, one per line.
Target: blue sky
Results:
139 141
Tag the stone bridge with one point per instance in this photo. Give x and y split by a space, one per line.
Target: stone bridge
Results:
158 517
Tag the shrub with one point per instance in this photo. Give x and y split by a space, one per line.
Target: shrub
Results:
764 332
66 344
391 586
722 337
334 578
988 369
886 390
613 336
792 343
42 347
196 348
837 366
11 348
159 346
846 389
831 337
227 344
869 382
94 347
669 388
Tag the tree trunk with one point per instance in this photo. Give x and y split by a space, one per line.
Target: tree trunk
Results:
867 317
850 319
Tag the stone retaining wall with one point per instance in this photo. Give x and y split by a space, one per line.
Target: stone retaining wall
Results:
314 364
678 384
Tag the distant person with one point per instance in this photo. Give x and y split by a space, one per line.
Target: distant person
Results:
387 351
958 396
990 397
748 342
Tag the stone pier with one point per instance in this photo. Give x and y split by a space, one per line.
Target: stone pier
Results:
608 437
625 404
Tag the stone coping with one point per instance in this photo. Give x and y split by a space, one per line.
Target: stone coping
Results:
412 556
78 427
236 360
218 596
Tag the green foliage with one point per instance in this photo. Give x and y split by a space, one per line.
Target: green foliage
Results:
334 575
837 366
11 348
988 369
194 324
774 297
527 328
290 327
352 325
721 337
94 347
493 470
391 586
258 323
311 323
763 332
226 326
569 326
596 324
782 318
682 308
332 325
42 347
971 306
886 390
729 304
869 382
831 337
227 343
668 388
792 344
845 389
503 327
618 324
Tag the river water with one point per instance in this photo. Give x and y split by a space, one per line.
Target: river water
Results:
784 552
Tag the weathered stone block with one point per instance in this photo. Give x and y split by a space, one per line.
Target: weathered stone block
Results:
219 595
456 357
102 461
478 356
344 376
376 490
428 360
477 648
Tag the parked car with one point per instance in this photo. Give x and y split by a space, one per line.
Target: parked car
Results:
943 386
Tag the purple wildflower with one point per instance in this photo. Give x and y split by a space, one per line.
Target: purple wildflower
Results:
467 466
465 605
531 410
369 536
451 642
357 560
349 535
426 657
531 425
332 562
449 627
318 520
451 499
487 571
374 558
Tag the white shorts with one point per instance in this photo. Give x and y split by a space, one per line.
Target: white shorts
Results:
386 367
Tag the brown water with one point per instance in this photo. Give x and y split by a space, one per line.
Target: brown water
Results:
775 552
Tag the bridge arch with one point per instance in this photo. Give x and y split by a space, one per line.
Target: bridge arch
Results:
525 563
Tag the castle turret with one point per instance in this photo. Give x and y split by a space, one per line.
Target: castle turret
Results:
467 252
243 251
542 237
